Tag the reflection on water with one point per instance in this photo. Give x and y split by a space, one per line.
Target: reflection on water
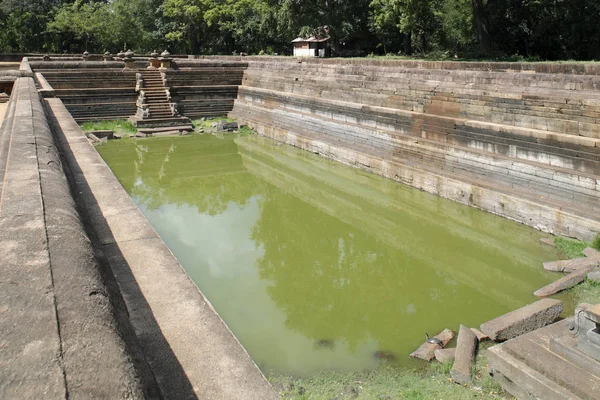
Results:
316 265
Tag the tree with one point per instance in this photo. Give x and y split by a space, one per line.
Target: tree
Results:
23 25
482 24
86 20
458 25
189 27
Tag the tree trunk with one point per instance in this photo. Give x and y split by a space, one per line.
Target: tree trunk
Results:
481 21
407 44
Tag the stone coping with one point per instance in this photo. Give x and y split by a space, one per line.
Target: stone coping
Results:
190 349
65 331
577 68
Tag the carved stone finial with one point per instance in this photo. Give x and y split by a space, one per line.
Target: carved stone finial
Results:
154 54
165 54
129 54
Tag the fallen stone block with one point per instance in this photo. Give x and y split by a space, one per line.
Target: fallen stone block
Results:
443 355
523 320
427 350
594 276
465 356
93 138
547 242
566 282
225 126
591 253
102 134
571 265
480 335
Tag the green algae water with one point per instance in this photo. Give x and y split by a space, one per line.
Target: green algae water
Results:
315 265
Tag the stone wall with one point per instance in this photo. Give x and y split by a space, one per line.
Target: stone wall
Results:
90 90
205 89
106 90
65 332
522 145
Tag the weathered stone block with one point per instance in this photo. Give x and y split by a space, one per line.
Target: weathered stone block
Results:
523 320
480 335
566 282
571 265
548 242
591 253
443 355
465 355
427 350
594 276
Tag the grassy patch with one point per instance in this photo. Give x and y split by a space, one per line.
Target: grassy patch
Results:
118 126
586 292
570 248
389 383
596 243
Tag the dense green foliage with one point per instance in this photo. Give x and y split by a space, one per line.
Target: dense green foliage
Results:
534 29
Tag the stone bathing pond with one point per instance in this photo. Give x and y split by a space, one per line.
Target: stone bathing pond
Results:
315 265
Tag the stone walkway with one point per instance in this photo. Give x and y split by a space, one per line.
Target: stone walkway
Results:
2 111
61 335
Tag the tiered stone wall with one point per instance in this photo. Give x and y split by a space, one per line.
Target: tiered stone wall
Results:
90 90
523 145
205 89
106 90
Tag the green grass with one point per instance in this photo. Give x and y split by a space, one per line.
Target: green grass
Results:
390 383
118 126
588 291
570 248
596 243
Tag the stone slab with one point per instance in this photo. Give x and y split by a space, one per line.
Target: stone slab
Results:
480 335
523 320
566 282
594 276
534 351
571 265
521 380
427 350
590 252
547 242
566 347
465 356
443 355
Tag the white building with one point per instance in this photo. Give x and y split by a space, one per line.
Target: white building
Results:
311 47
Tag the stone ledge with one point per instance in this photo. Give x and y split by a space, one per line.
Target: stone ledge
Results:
44 246
508 205
190 349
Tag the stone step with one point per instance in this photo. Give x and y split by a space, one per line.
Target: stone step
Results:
477 161
534 353
503 184
159 122
149 131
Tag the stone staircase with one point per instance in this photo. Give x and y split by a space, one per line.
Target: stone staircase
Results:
155 108
560 361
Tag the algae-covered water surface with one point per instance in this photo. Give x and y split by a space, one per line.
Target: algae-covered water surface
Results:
316 265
